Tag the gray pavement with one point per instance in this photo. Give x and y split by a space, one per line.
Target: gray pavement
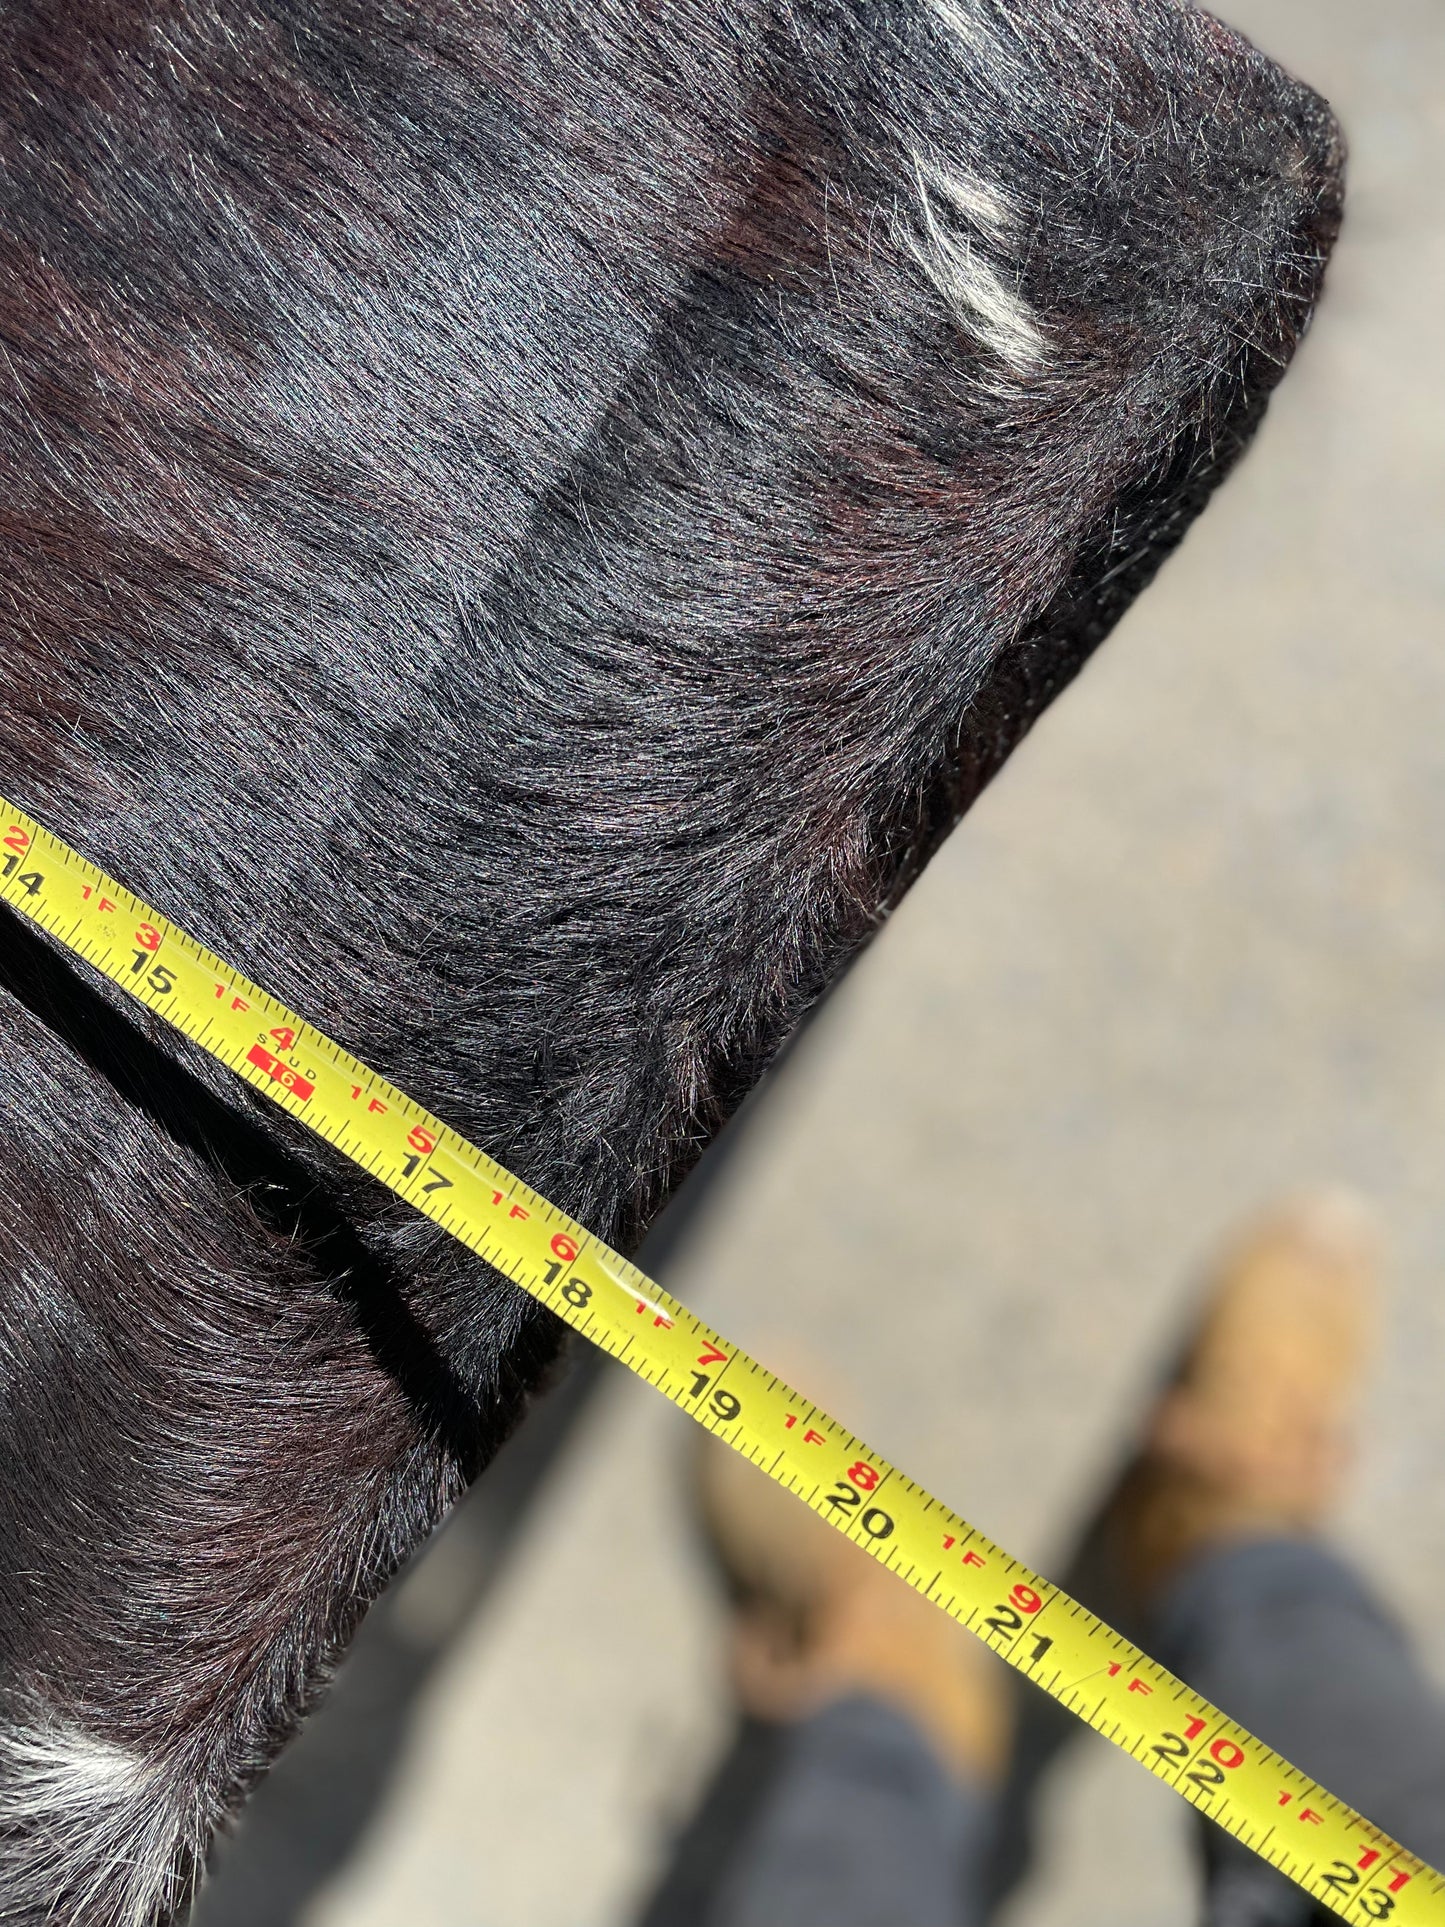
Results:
1188 951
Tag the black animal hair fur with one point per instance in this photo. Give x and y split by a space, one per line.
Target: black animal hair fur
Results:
521 524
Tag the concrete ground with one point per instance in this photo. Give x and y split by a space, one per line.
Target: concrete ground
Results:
1189 950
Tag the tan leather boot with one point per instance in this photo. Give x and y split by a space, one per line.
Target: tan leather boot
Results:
1255 1432
816 1619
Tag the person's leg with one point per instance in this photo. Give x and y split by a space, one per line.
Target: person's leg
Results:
1290 1641
863 1826
888 1729
1213 1531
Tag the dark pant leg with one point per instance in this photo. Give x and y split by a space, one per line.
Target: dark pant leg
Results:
862 1826
1284 1637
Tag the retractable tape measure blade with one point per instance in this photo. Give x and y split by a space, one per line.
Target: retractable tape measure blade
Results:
1217 1766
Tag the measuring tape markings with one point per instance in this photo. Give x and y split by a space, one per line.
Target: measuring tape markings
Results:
1104 1679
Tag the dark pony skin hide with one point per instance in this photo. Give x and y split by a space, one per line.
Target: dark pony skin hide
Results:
521 526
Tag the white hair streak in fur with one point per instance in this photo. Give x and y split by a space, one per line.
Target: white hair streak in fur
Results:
100 1836
964 24
965 221
966 225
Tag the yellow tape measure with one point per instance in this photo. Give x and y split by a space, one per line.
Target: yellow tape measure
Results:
1297 1826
